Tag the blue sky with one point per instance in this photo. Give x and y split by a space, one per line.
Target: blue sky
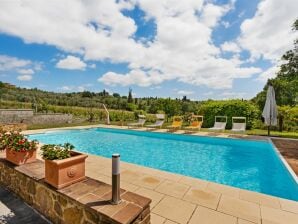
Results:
203 49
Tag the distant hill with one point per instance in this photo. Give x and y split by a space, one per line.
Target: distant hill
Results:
42 99
85 99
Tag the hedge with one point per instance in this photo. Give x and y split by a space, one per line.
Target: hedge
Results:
229 108
288 118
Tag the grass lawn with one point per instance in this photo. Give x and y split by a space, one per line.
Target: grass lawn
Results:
283 134
261 132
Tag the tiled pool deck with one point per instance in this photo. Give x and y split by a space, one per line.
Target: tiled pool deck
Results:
181 199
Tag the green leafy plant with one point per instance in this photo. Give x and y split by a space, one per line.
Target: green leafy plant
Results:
16 141
229 108
56 152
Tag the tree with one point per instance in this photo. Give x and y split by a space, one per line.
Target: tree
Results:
2 89
286 82
184 98
130 99
172 107
87 94
105 93
117 95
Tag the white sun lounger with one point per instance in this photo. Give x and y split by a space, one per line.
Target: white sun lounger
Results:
219 126
239 127
140 123
159 121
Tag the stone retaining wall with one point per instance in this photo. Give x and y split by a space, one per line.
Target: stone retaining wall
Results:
85 202
15 116
51 118
27 116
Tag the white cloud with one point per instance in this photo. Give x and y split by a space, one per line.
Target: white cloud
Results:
71 63
182 49
38 66
176 54
209 93
92 66
88 85
226 24
212 13
268 74
24 77
155 87
268 34
23 67
230 47
185 92
25 71
81 88
65 88
134 77
72 88
241 14
10 63
233 95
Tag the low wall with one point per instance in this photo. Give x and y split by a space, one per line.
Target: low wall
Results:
83 202
51 118
27 116
15 116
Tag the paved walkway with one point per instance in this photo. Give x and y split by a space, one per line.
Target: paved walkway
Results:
185 200
181 199
14 211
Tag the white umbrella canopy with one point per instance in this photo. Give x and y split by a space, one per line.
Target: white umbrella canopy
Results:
270 109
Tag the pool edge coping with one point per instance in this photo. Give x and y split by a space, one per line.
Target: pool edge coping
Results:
268 139
44 131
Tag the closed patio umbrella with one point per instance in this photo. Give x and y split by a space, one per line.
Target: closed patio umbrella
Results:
270 109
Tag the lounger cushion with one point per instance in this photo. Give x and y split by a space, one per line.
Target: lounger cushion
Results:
157 124
140 122
219 126
239 127
195 124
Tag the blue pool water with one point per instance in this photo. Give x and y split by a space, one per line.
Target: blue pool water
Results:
252 165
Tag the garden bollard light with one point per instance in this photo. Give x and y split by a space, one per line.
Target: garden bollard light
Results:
115 179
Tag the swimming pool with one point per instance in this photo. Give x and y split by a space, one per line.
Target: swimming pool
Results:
252 165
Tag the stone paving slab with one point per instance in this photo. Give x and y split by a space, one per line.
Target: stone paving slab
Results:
242 205
91 193
178 199
14 211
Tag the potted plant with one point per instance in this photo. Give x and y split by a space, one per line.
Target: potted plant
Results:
63 166
19 150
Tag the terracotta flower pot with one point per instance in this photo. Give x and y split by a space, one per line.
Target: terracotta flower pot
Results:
62 173
20 158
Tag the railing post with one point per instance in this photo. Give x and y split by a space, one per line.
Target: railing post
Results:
115 179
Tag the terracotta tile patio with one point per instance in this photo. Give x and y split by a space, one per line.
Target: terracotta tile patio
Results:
181 199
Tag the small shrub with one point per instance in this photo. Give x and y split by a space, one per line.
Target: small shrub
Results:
288 118
16 141
53 152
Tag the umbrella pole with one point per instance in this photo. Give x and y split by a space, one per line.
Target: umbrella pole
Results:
269 127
